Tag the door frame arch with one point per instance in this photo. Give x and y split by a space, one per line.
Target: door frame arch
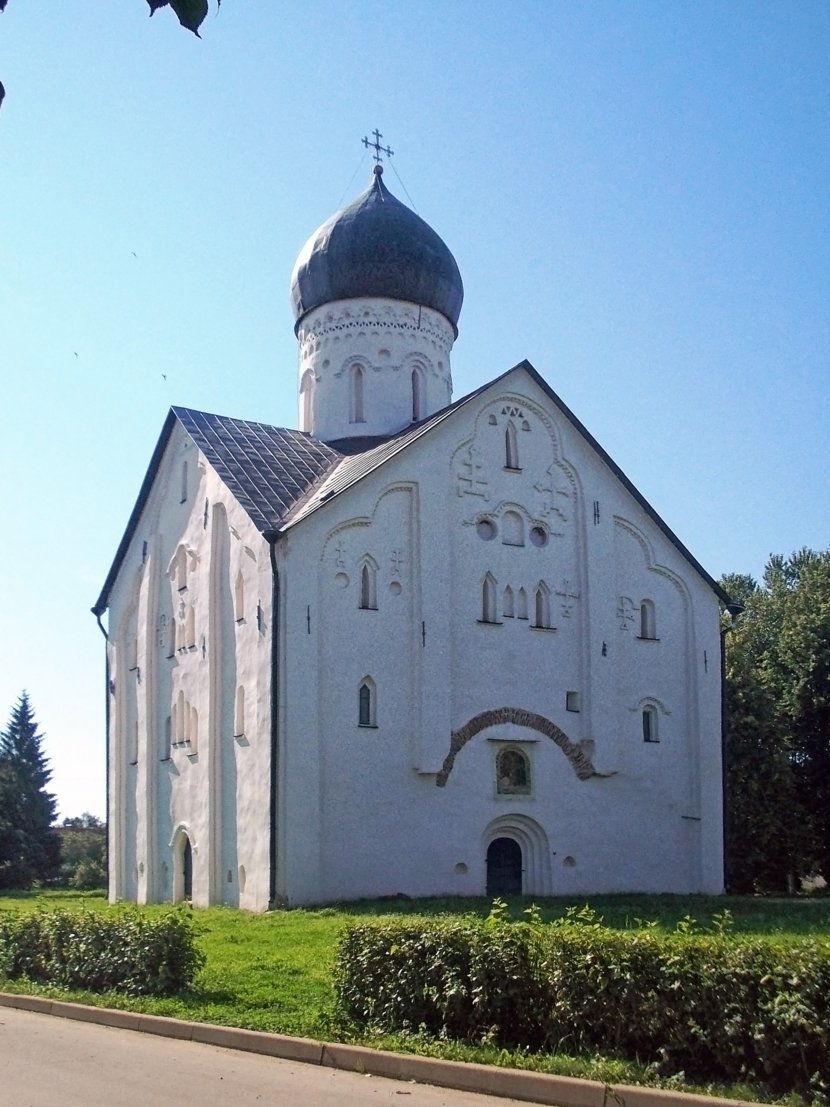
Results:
537 876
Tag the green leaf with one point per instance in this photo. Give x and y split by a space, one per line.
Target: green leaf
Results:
190 13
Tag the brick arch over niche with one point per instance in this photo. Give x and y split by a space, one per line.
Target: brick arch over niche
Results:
499 716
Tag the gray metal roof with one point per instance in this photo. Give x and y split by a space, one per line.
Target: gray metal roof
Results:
268 469
376 247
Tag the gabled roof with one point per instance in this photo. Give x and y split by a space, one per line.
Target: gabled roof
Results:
280 476
352 469
267 469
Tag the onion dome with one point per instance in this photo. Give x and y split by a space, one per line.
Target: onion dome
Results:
378 247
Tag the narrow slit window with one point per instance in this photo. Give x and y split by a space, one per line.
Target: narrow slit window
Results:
183 490
366 707
307 400
542 607
180 569
650 724
357 413
190 628
368 587
417 395
239 713
178 720
507 603
521 604
239 597
511 447
488 599
647 624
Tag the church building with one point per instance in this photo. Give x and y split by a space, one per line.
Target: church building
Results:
418 646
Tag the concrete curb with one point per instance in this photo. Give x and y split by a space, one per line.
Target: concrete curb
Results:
532 1087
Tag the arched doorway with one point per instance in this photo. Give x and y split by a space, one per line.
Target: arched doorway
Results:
504 867
182 866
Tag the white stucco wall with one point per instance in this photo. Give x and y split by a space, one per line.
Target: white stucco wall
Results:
385 342
410 802
179 650
362 812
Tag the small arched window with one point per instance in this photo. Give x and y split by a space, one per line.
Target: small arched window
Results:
512 772
190 627
507 603
650 724
193 734
511 447
418 395
368 587
239 713
306 400
521 604
512 529
542 606
488 599
647 623
239 597
366 703
357 412
180 569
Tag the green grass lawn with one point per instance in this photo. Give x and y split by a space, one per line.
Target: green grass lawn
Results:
273 972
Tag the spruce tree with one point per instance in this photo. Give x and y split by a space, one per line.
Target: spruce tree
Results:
29 849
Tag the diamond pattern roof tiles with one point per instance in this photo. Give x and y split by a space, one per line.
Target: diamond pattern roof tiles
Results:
268 469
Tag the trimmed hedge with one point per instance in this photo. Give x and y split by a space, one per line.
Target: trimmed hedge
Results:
128 952
709 1005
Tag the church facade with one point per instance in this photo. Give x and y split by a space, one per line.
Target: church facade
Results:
415 647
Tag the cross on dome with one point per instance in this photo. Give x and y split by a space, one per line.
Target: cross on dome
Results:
376 146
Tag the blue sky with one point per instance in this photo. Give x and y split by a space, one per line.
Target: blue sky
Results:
636 194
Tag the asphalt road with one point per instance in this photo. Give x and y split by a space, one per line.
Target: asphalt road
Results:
53 1062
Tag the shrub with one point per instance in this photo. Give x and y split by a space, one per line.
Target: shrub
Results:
709 1005
454 978
129 952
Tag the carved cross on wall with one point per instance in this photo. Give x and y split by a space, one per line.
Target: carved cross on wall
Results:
568 597
397 561
470 483
625 612
338 556
550 493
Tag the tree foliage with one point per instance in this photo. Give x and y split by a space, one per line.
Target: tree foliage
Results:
190 13
29 850
778 731
83 841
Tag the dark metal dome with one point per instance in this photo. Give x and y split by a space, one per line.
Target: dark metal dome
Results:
376 247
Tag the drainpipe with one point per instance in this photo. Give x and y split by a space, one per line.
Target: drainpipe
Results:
98 615
271 537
